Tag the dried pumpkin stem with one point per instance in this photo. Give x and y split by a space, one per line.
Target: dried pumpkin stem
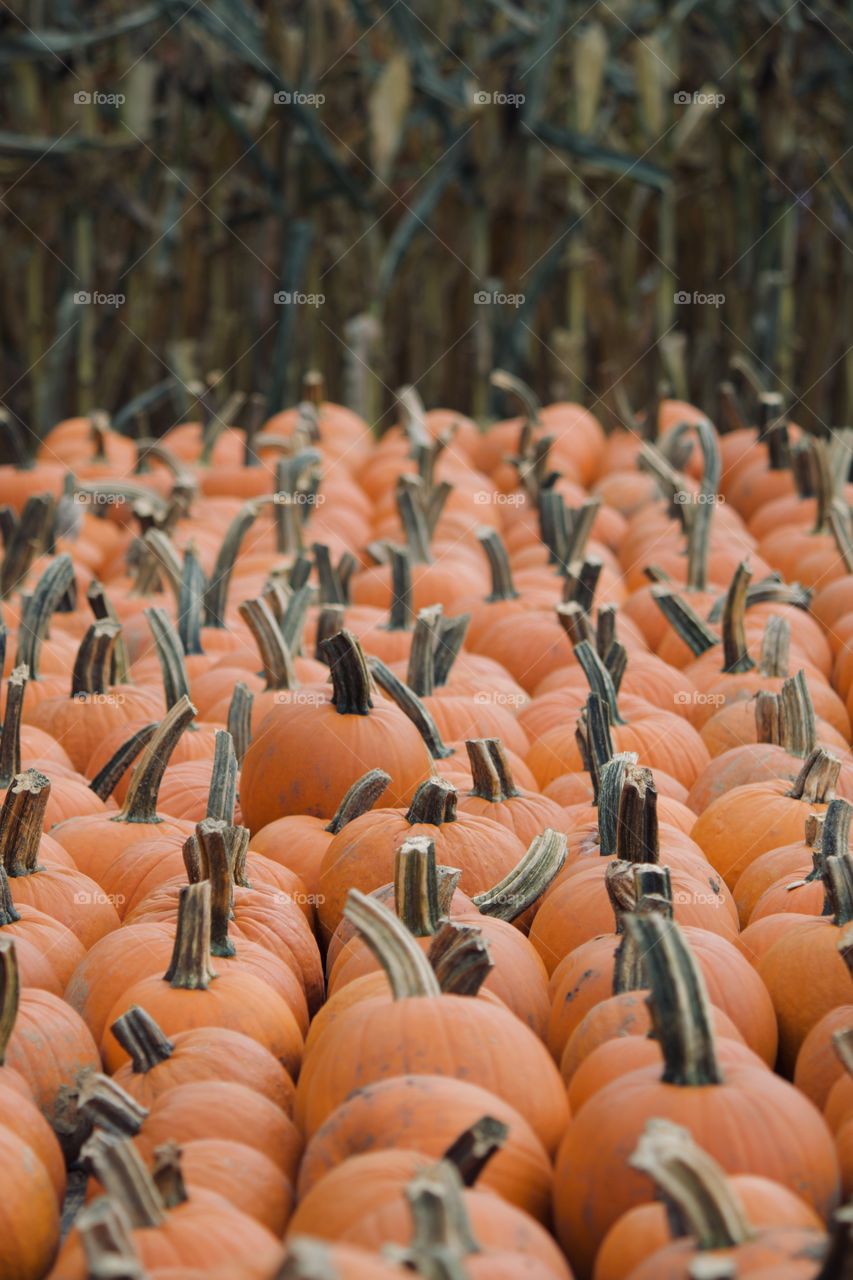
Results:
768 718
838 881
141 1038
842 1043
640 888
735 650
611 779
216 595
496 554
575 622
164 560
487 781
411 705
416 886
104 1231
91 674
599 679
408 970
699 1197
22 822
106 1105
686 623
525 884
10 993
460 958
401 612
834 830
442 1236
217 856
330 621
434 803
775 647
189 968
592 734
581 582
107 778
799 722
839 1257
240 718
279 671
190 602
168 1175
103 610
474 1148
815 783
637 837
118 1167
414 522
10 743
420 671
222 793
359 799
351 684
8 914
141 801
449 642
176 684
678 1002
295 617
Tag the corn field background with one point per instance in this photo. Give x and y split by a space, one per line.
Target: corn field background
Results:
600 197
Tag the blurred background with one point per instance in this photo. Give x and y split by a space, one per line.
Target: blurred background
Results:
597 197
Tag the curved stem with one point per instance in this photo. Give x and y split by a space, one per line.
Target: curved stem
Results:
103 610
22 821
140 804
279 671
799 723
698 1195
460 958
10 743
735 651
351 684
775 647
686 623
240 718
216 595
359 799
433 804
592 734
451 637
416 886
413 520
118 1167
411 705
162 551
91 674
496 554
599 679
678 1003
176 684
474 1148
525 884
611 781
216 847
109 1107
408 971
815 783
189 968
106 780
419 674
190 602
442 1237
141 1038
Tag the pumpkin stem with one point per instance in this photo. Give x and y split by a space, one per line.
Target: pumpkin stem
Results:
216 595
775 647
408 970
401 611
29 537
416 886
686 623
837 1262
420 671
330 588
351 684
678 1002
164 564
490 770
108 1247
106 779
599 679
222 793
637 825
189 968
414 522
525 884
838 879
216 851
592 734
140 804
294 618
460 958
576 623
8 914
279 671
22 822
815 783
103 610
442 1236
10 993
434 803
240 718
698 516
411 706
91 674
611 781
330 620
581 582
799 723
833 829
700 1199
735 651
141 1038
451 637
359 799
768 718
307 1259
168 1175
176 684
474 1148
118 1166
641 889
842 1043
10 742
496 554
190 601
107 1106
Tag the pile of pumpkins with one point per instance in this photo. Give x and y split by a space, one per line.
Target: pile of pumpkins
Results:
427 854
